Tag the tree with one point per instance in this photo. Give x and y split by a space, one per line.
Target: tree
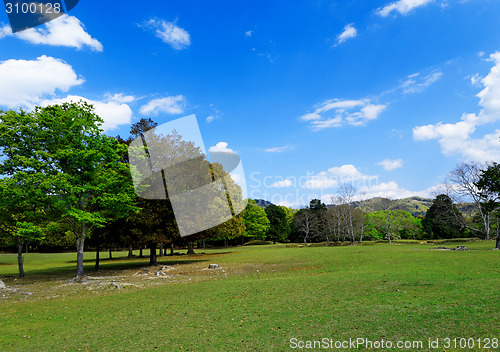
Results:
462 186
442 219
279 228
306 223
346 198
256 221
390 223
21 212
488 185
80 170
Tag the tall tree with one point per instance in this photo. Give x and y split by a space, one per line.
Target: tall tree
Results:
279 228
443 219
488 185
462 187
305 222
256 221
80 169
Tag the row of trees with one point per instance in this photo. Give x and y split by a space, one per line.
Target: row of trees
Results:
64 183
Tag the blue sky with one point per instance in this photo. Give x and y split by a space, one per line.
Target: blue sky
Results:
387 95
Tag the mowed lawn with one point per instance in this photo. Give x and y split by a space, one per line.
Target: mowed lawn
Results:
266 296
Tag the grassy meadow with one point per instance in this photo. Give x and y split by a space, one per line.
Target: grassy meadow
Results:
259 299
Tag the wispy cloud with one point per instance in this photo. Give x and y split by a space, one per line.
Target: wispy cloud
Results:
175 36
390 165
416 82
337 113
282 149
248 33
403 7
215 115
348 33
281 184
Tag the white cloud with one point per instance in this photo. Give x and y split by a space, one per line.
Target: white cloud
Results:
337 175
175 36
417 83
401 6
457 138
210 118
62 31
475 80
248 33
390 165
348 33
367 186
221 147
282 149
113 113
169 105
282 184
121 98
337 113
23 83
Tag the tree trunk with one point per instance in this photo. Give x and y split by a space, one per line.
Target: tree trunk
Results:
98 249
498 234
190 248
225 242
172 248
130 252
161 250
110 253
164 250
80 243
140 252
152 254
20 257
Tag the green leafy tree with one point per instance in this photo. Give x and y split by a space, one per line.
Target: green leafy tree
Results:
391 224
80 170
279 228
256 221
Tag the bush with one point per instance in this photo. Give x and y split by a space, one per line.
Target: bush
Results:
257 243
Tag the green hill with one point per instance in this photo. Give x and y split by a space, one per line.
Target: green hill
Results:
414 205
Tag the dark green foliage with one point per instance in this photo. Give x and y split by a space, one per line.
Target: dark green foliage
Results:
443 220
279 228
257 243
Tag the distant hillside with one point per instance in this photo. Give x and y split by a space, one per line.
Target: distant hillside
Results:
414 205
262 203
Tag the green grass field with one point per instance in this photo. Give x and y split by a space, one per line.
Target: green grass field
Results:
259 299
